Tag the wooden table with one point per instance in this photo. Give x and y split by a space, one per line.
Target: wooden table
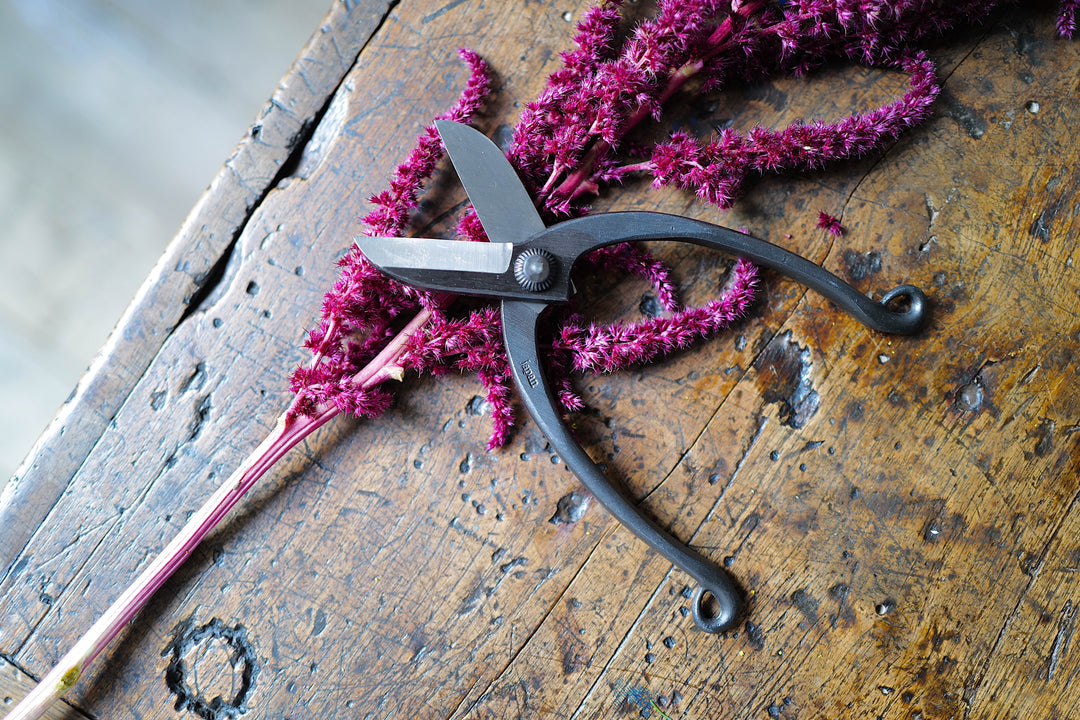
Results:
902 512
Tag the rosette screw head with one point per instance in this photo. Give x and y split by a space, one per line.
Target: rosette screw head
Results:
534 269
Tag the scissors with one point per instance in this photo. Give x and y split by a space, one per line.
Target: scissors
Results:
527 266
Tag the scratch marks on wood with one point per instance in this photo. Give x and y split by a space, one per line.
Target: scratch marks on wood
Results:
456 524
762 422
508 569
1062 639
441 11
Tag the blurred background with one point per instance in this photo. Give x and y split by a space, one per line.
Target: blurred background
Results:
114 116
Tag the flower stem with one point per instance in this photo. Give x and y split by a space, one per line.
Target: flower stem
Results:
291 428
288 431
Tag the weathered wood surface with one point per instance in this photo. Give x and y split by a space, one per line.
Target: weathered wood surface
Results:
188 269
907 542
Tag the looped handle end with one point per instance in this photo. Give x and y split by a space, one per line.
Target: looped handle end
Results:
907 308
714 612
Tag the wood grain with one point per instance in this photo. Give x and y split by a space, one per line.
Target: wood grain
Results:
14 684
902 512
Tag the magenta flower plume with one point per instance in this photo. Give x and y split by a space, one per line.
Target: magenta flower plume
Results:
830 224
571 141
1068 18
606 348
361 313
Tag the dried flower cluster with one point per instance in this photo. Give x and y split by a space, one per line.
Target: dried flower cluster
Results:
572 140
830 224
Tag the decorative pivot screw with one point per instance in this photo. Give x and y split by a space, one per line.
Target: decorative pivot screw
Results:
534 269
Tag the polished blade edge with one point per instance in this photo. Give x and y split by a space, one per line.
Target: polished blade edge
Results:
434 254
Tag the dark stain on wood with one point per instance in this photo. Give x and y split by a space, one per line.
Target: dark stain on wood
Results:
570 508
783 374
861 266
968 118
754 635
806 604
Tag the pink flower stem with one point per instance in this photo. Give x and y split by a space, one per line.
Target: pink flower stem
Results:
290 429
384 365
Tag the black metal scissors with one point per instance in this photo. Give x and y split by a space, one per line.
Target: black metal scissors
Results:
527 266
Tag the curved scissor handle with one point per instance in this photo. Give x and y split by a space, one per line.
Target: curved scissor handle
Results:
519 332
901 311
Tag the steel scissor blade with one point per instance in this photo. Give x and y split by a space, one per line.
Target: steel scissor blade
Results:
391 253
504 207
455 266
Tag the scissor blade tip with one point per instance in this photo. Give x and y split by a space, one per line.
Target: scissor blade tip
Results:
436 254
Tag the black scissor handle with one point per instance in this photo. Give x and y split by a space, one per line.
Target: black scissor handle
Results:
519 320
901 311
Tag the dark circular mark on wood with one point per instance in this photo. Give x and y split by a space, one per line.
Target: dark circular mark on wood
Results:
188 638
